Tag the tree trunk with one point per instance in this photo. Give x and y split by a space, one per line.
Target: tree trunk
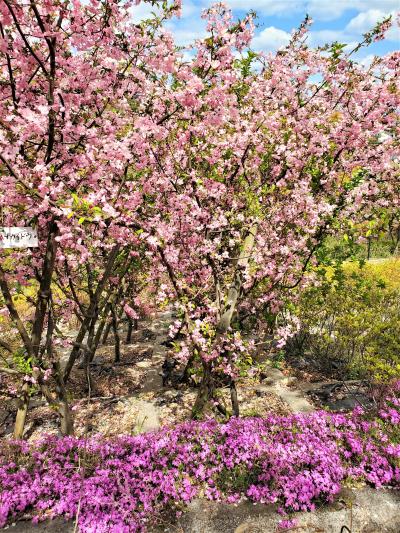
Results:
396 245
96 340
205 392
89 351
66 418
91 311
185 376
22 411
132 326
129 332
67 422
206 387
44 294
107 331
117 341
234 398
32 344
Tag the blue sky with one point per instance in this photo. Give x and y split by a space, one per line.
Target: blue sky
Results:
341 20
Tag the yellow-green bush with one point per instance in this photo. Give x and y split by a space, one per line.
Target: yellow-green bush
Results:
385 270
350 320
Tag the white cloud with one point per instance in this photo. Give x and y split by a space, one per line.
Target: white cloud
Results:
185 36
191 26
330 10
324 10
352 33
321 37
393 34
318 9
270 39
365 20
367 60
268 7
188 30
189 8
142 11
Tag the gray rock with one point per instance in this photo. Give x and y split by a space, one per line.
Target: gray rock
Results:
144 364
148 334
366 510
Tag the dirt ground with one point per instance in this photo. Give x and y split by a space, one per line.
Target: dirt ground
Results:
128 397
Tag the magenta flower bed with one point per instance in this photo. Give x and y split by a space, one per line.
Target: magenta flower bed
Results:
123 484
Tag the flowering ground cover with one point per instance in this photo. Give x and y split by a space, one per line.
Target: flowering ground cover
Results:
124 484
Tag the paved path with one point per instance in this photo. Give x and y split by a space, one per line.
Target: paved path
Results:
148 418
277 383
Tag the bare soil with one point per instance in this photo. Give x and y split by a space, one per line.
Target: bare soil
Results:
128 397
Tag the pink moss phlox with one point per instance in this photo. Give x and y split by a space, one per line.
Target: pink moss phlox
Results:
122 484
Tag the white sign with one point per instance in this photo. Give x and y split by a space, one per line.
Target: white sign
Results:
18 238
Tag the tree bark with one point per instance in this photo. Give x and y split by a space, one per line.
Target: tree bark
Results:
67 422
107 331
44 295
66 418
185 376
117 341
234 398
205 392
236 286
89 352
132 326
22 411
32 344
97 337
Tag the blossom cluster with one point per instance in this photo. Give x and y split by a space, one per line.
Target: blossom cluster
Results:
126 483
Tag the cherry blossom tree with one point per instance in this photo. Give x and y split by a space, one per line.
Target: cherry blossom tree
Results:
265 155
219 175
77 84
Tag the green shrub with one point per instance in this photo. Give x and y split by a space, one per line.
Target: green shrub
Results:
349 321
